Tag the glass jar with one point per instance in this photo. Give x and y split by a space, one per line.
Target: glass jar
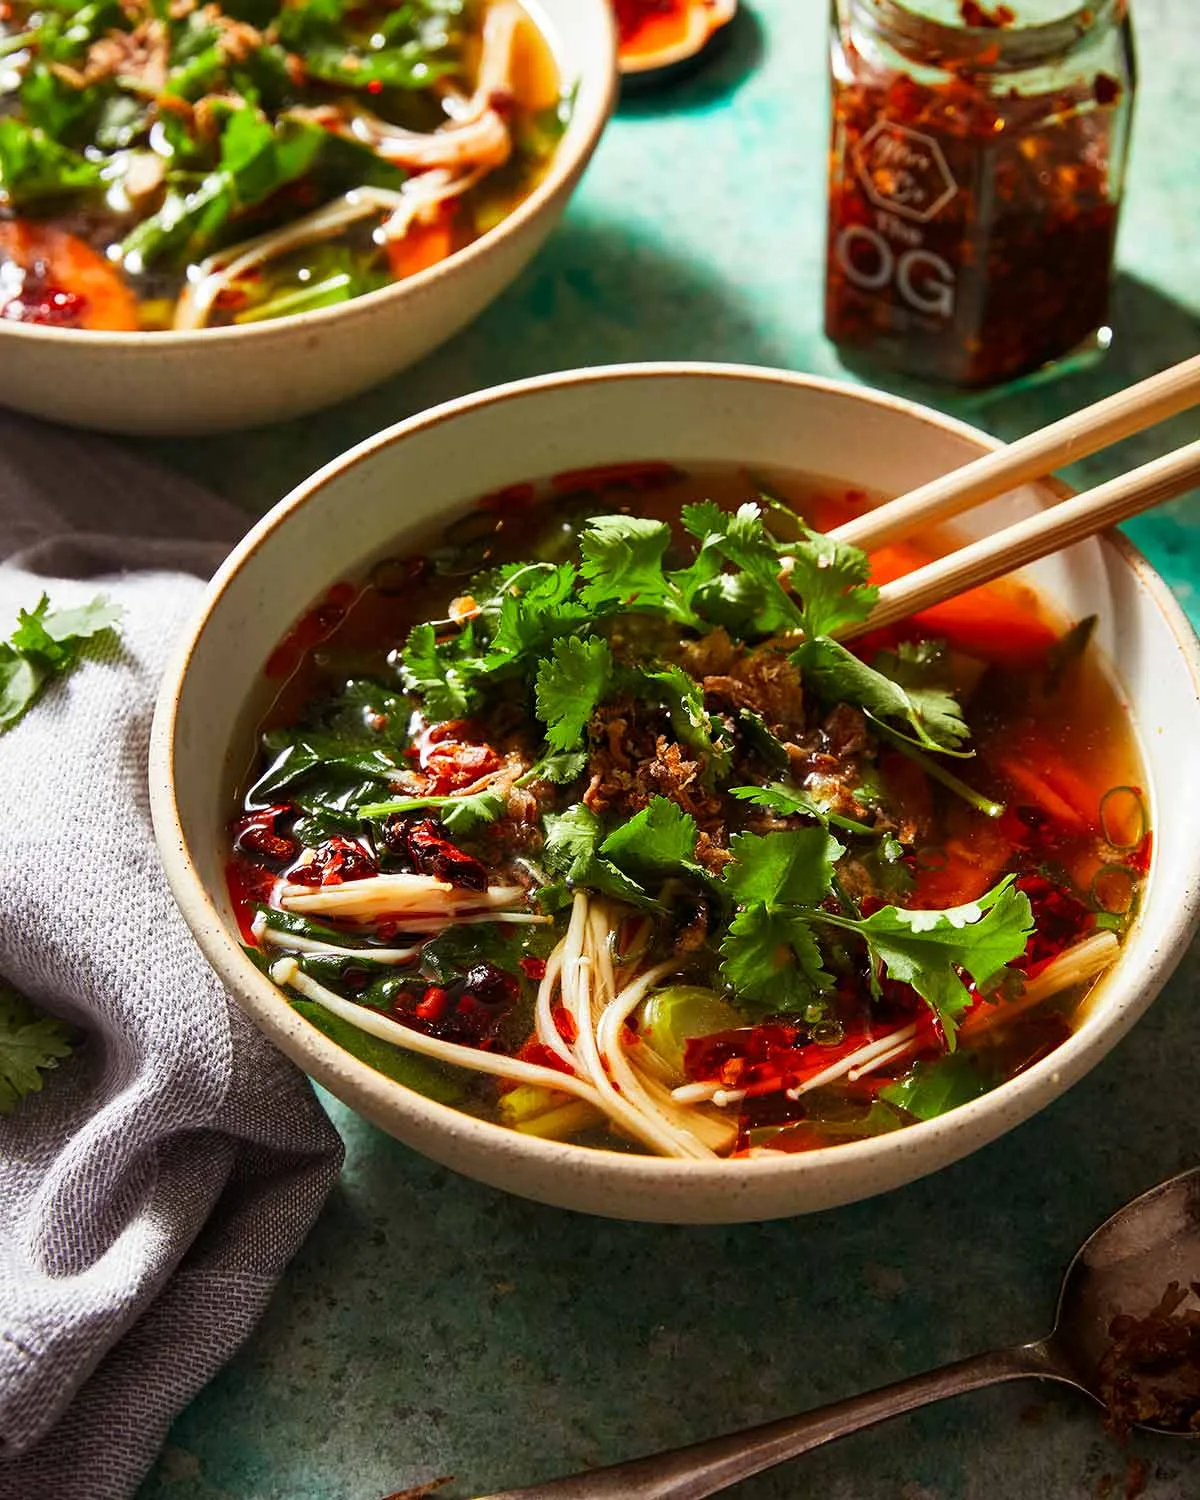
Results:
977 161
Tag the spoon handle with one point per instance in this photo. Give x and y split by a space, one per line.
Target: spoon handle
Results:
705 1468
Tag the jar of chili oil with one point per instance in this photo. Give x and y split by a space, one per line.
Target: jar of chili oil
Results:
977 161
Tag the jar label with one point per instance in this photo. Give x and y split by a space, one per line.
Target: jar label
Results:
908 182
904 171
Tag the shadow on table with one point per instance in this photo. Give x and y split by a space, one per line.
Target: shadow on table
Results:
702 81
431 1324
1150 333
601 292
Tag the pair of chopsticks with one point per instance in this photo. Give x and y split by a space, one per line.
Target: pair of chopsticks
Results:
1034 457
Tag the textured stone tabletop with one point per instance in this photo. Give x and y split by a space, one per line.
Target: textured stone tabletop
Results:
431 1326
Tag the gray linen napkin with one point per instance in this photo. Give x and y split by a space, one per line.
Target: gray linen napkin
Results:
152 1194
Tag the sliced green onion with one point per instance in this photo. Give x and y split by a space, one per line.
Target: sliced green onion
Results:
325 293
1110 901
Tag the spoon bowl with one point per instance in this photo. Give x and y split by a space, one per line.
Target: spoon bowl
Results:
1124 1267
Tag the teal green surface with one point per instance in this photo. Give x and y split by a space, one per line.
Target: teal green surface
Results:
431 1326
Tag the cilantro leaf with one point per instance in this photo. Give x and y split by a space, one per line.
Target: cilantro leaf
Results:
658 840
790 801
561 768
21 679
457 815
570 852
831 579
569 685
432 672
772 960
927 948
752 601
529 609
623 562
931 714
790 868
46 643
30 1045
63 628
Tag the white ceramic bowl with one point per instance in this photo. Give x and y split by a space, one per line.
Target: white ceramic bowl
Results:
360 508
177 383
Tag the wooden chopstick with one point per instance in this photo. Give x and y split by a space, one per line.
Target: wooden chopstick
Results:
1037 536
1083 432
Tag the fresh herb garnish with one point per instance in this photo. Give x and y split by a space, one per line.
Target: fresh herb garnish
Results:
46 644
31 1044
570 682
781 882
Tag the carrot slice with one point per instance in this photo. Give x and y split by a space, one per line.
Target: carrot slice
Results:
423 246
68 284
1053 787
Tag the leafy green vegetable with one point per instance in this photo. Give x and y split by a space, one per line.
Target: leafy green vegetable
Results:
45 644
927 948
623 562
457 950
530 609
30 1045
831 579
930 1089
780 881
436 676
782 869
459 816
769 954
570 683
752 600
657 842
444 1084
790 801
561 768
34 166
570 852
772 960
930 714
256 158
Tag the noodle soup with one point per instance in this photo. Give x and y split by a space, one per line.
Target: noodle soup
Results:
199 166
583 820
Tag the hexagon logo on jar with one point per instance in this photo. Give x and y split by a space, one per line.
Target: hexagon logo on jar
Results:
903 171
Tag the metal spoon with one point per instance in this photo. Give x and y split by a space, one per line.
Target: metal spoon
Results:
1125 1267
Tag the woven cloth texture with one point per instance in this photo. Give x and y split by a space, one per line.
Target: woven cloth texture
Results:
153 1192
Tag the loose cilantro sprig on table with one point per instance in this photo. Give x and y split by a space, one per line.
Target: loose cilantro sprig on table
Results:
46 644
31 1044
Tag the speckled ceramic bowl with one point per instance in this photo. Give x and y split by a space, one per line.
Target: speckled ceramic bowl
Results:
177 383
362 506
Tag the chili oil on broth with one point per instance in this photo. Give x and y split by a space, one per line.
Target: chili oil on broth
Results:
65 259
1059 752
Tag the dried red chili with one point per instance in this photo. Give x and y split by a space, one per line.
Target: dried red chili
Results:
973 205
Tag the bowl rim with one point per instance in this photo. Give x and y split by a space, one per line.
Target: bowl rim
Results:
375 1093
570 158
